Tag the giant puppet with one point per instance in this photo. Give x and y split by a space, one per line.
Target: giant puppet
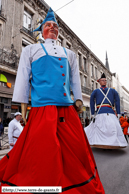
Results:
52 149
105 131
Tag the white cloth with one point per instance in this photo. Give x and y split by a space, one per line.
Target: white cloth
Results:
106 130
14 129
33 52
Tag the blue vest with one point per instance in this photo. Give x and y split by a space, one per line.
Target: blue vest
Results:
97 97
50 83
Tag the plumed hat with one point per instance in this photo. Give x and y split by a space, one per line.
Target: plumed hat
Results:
50 17
102 76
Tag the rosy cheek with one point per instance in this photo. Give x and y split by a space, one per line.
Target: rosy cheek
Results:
45 32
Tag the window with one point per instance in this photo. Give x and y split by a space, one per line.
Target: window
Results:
81 79
25 43
92 70
0 7
0 27
0 30
96 85
4 100
92 85
99 74
96 72
79 60
27 20
60 41
68 45
109 84
85 81
23 46
84 63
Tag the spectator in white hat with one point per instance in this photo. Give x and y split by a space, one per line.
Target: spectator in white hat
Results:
14 129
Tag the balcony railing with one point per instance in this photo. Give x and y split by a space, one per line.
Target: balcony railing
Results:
29 32
86 90
9 58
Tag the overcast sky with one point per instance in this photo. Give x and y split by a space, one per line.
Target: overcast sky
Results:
103 25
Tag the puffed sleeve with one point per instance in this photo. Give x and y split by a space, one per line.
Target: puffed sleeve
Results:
22 85
74 76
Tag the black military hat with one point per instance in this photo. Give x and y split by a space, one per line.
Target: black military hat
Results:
102 76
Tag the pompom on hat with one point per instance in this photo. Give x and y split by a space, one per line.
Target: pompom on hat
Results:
102 76
50 17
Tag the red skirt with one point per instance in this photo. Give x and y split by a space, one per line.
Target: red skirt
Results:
50 152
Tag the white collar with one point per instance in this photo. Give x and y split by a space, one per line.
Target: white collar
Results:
50 41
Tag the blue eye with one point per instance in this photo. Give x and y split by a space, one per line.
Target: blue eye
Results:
47 25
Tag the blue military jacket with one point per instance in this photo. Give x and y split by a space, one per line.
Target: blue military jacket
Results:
97 97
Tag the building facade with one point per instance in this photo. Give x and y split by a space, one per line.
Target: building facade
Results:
123 93
125 101
18 18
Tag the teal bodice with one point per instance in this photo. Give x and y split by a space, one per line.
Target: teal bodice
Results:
50 83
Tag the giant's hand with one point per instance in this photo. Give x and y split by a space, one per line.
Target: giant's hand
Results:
92 116
11 144
24 109
78 106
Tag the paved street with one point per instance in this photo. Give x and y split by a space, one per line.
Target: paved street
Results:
113 167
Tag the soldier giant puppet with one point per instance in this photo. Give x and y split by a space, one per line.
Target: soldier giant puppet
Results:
53 149
105 131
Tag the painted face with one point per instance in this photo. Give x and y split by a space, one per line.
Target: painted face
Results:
103 81
50 30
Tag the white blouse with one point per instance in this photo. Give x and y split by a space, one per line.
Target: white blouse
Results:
35 51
